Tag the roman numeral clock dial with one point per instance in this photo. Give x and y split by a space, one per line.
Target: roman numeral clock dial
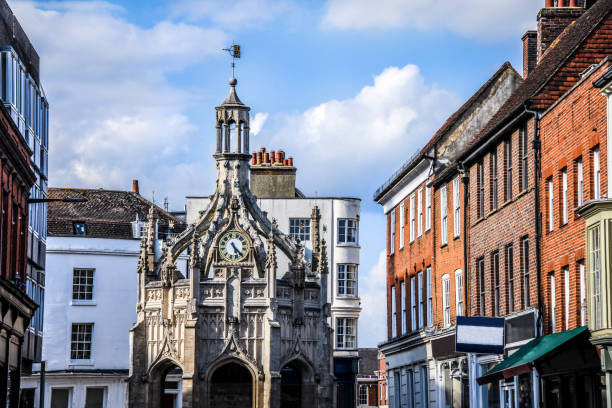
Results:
233 246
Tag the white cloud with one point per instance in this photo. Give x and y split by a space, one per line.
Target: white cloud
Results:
372 291
231 13
481 19
361 139
114 115
257 123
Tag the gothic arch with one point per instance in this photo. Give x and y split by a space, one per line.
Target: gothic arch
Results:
213 391
162 365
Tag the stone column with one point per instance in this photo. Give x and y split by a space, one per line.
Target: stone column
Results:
238 137
219 138
226 148
245 139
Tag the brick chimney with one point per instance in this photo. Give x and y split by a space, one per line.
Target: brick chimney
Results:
530 52
553 19
135 188
272 175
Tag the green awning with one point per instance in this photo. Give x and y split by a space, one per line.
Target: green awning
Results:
521 361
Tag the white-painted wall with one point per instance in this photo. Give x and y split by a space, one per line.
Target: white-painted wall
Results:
112 311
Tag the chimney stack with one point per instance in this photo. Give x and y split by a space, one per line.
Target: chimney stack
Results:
553 20
530 52
135 188
272 175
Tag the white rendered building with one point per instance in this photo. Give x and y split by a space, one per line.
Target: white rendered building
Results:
92 255
273 183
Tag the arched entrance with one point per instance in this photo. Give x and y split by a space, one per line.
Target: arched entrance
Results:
171 388
291 386
231 386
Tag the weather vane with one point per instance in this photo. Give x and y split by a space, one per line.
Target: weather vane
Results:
234 51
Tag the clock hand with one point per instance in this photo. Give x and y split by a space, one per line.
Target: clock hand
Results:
235 248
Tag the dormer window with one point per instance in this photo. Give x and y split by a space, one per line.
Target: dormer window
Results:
79 228
139 229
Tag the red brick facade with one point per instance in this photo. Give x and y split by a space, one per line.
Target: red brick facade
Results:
503 236
404 264
571 131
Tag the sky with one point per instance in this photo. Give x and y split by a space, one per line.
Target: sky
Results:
351 89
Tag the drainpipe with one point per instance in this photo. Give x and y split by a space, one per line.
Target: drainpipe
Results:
537 173
465 178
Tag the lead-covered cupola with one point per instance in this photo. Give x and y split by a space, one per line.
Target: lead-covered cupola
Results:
232 125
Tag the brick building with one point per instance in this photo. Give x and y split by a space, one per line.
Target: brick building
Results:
381 373
526 245
520 253
425 263
16 307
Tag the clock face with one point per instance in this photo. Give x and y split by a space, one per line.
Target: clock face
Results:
233 246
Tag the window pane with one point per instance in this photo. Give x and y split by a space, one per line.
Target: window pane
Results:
94 398
60 398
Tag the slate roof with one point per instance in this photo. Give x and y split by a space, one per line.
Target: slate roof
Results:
531 91
446 127
368 361
106 214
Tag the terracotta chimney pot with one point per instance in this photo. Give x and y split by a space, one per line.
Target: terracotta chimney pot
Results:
549 3
290 161
135 188
259 157
267 158
254 159
272 156
285 162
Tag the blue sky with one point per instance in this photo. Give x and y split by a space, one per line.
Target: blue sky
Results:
349 88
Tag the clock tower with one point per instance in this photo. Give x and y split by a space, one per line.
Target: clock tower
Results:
246 324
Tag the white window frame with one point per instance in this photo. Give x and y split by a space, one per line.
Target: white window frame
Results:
596 174
583 294
413 305
420 212
553 304
551 207
347 227
420 299
412 218
393 313
429 296
362 388
403 303
446 299
564 196
427 208
349 340
456 208
344 281
392 228
91 343
78 295
402 222
566 290
579 182
443 215
299 231
459 292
